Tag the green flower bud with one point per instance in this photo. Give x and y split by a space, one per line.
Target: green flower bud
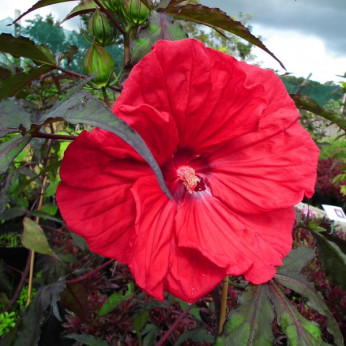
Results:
101 29
135 12
113 5
98 60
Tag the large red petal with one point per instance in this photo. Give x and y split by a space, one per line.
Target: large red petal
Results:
157 128
157 263
94 197
104 217
280 111
96 158
240 243
206 93
191 275
273 243
256 174
154 236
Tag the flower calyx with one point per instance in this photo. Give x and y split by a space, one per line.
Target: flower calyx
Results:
135 12
97 60
101 29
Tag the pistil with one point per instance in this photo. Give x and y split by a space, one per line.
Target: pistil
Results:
188 176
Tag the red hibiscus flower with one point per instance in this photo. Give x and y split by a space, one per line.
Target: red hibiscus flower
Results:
233 155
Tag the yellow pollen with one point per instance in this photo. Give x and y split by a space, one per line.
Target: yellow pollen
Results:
188 176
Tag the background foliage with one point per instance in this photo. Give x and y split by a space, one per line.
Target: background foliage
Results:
78 297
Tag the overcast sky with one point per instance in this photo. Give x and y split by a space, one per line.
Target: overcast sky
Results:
308 36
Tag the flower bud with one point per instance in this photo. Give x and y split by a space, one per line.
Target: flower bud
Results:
135 12
98 60
113 5
100 29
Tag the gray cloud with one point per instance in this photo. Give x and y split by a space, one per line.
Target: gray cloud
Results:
325 19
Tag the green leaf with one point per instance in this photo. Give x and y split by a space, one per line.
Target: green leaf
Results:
115 299
308 104
49 209
299 331
174 2
30 330
289 276
150 333
13 84
148 3
88 340
315 226
162 4
79 241
332 259
84 108
12 213
51 189
295 261
251 323
341 243
160 27
307 290
39 4
215 18
194 311
24 47
10 149
44 215
34 239
82 8
197 335
12 117
75 299
140 321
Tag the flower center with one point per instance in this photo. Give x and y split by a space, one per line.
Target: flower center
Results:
188 176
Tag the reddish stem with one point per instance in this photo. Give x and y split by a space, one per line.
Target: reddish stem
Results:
71 73
14 269
20 285
58 230
53 136
83 277
174 325
74 74
127 53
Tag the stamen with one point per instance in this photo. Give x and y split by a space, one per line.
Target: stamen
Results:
188 176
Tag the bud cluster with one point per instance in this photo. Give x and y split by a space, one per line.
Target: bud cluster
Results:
101 31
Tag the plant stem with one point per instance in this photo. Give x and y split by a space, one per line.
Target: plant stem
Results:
70 73
105 97
53 136
223 304
37 219
14 269
74 74
217 304
126 47
104 265
174 325
20 285
31 274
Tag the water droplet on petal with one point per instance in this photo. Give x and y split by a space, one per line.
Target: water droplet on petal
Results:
192 292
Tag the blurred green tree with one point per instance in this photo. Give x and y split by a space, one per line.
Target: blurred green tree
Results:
46 31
